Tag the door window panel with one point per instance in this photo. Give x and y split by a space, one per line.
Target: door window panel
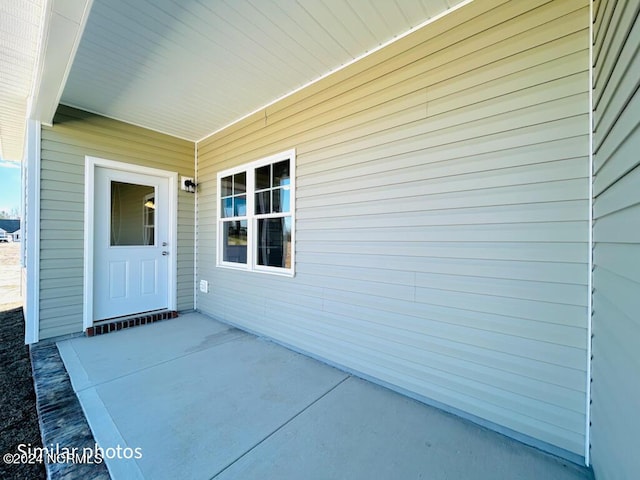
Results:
133 215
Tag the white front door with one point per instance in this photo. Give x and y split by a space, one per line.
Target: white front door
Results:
131 243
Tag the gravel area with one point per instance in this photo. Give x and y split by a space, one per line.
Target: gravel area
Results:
19 428
18 417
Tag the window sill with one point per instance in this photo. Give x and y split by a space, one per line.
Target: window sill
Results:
267 271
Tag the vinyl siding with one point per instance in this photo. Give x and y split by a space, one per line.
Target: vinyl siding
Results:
442 217
616 275
75 134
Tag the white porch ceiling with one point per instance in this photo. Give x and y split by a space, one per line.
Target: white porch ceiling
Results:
19 38
38 39
191 67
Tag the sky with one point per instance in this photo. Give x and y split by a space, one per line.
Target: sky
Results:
9 185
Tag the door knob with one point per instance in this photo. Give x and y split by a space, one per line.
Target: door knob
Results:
164 244
165 253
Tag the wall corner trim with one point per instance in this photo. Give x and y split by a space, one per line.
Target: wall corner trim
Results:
587 434
32 234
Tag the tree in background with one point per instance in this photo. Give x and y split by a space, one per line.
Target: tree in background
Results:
13 213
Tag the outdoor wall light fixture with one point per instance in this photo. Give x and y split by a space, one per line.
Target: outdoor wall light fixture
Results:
188 185
191 187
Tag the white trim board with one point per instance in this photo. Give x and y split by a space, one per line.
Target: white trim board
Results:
31 234
89 207
61 31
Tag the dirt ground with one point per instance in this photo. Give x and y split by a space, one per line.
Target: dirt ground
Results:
10 291
18 417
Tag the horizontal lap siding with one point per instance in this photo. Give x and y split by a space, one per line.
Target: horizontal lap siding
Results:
442 217
616 276
75 134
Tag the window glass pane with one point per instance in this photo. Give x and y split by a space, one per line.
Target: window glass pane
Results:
274 242
263 202
281 200
226 187
263 177
132 214
240 203
149 219
227 207
240 183
281 174
234 241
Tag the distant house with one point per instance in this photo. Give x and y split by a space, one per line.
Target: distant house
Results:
8 228
15 236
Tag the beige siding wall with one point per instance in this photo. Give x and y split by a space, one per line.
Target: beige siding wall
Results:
442 217
616 276
75 134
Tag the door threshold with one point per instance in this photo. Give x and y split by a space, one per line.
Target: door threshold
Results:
129 321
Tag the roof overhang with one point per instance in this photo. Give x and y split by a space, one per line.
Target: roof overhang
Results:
39 39
64 22
20 25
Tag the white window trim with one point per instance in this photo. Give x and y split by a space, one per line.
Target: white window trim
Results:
249 168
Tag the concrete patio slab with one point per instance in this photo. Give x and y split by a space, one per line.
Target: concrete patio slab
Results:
364 431
203 400
140 348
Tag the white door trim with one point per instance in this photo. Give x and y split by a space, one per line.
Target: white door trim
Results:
89 207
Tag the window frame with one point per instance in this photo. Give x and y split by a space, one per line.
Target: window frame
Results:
252 218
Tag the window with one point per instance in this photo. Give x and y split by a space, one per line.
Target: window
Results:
256 215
